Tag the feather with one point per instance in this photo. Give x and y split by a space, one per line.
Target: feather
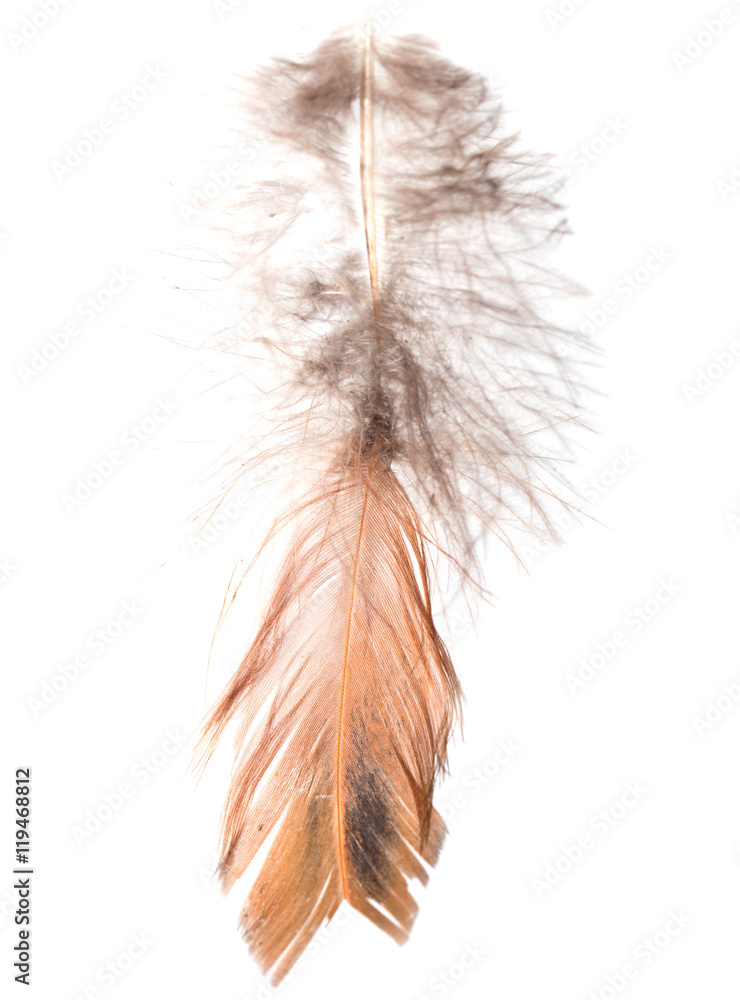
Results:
421 394
364 703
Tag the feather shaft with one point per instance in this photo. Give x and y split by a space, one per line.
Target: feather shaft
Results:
366 167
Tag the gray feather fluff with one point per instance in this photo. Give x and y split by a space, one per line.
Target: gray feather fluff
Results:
477 391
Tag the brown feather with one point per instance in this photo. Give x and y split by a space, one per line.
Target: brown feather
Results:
414 371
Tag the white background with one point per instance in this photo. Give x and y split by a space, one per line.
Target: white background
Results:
490 924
